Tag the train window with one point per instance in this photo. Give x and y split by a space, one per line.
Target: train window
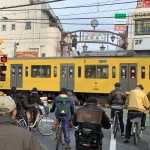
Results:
40 71
133 72
71 72
55 71
143 72
102 71
90 71
26 71
113 72
123 72
149 71
2 73
79 72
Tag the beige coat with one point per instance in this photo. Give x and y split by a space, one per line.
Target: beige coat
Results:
138 100
16 138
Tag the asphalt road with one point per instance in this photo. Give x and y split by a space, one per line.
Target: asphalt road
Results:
48 142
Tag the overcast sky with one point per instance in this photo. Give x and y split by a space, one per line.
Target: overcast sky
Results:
101 11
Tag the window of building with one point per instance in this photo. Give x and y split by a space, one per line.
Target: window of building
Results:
143 72
3 27
96 71
142 27
2 73
113 72
13 27
40 71
28 26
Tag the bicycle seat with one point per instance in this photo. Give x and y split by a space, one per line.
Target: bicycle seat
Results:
118 107
137 119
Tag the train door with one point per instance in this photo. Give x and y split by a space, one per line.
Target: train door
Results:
67 76
128 76
16 75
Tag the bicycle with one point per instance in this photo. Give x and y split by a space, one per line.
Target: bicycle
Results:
59 133
116 123
42 123
136 129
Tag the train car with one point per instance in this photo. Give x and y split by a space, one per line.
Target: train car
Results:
83 75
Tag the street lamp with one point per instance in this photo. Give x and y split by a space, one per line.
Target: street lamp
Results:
112 38
85 47
102 48
15 48
62 43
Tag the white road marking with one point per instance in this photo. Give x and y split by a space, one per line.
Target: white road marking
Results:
112 141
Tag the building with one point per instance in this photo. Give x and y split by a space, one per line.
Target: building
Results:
139 27
29 31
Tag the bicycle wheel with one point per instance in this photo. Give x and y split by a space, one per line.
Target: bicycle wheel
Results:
115 129
58 137
45 126
135 134
22 123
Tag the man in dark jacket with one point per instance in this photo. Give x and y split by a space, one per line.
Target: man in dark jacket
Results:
91 116
117 100
13 137
33 101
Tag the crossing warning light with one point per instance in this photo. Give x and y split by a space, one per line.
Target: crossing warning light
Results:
3 58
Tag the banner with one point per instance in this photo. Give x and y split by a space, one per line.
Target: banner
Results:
118 27
146 3
26 54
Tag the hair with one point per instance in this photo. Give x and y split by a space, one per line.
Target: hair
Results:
140 86
63 91
34 89
92 100
117 84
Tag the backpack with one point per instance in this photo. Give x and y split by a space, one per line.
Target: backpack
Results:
63 105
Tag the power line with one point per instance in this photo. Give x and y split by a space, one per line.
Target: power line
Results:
94 5
68 7
97 12
16 6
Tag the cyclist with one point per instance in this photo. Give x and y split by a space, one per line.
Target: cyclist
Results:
63 106
33 101
137 105
91 116
117 100
13 137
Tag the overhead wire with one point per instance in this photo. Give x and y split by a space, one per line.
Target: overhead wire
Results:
31 4
67 7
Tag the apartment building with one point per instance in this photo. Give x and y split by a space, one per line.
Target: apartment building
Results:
29 31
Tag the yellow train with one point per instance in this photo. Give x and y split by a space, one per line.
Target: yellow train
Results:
84 74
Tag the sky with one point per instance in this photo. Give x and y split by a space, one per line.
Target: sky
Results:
92 12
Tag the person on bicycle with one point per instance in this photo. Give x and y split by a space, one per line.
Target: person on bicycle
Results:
91 116
117 100
33 101
64 107
13 137
137 105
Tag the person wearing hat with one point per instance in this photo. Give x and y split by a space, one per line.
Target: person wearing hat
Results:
137 104
13 137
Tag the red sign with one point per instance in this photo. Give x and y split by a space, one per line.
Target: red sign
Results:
120 27
26 54
146 3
